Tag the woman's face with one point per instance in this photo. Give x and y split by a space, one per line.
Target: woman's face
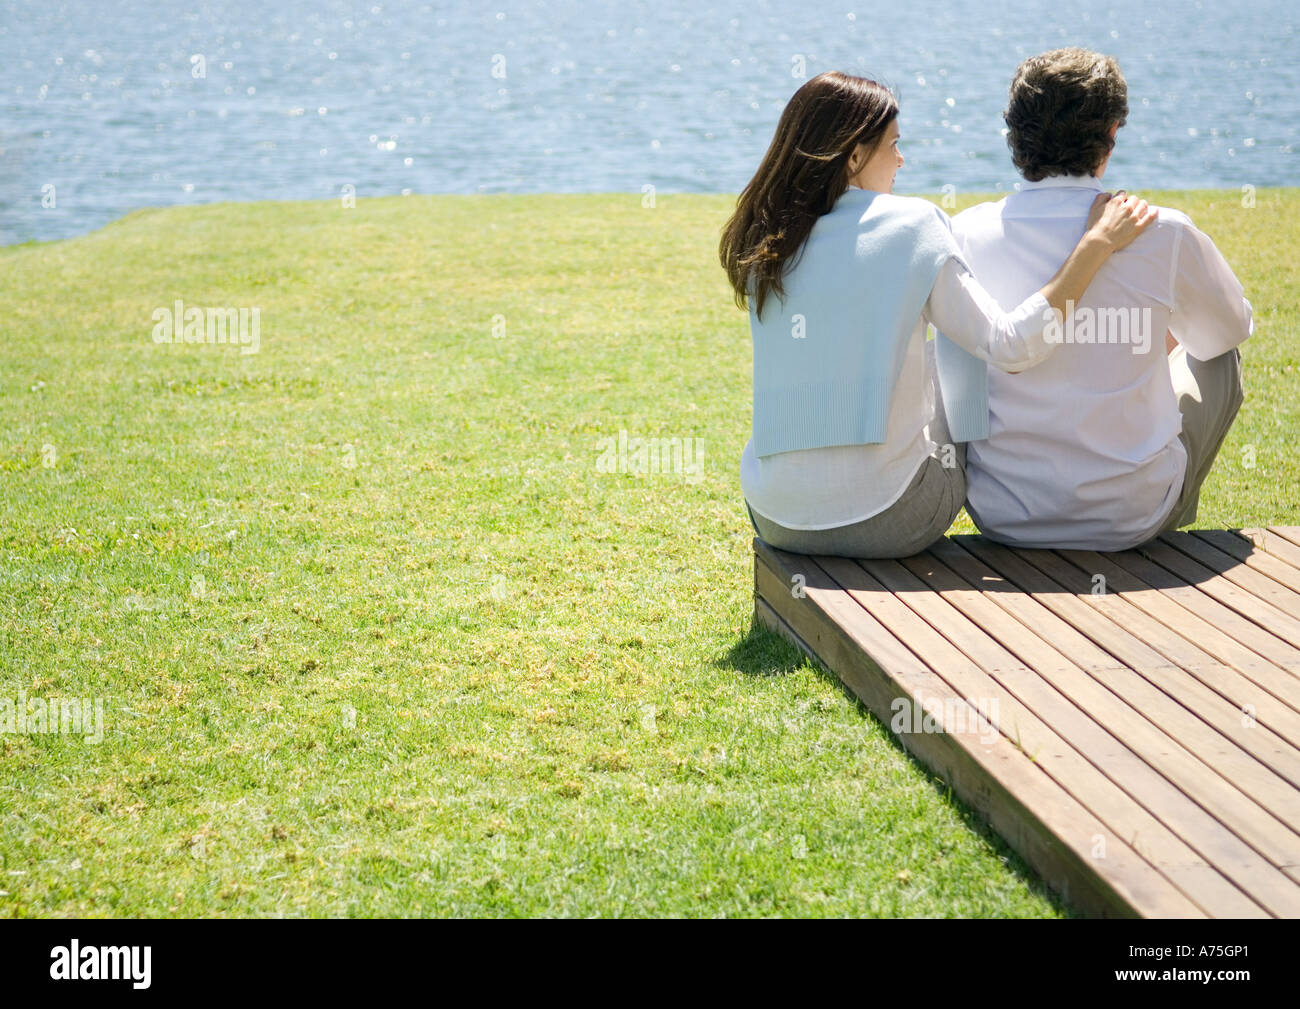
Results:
876 170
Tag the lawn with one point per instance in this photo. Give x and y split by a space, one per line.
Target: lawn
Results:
377 627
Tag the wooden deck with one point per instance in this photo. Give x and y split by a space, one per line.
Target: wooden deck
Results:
1128 722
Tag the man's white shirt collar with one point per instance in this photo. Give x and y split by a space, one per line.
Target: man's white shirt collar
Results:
1062 182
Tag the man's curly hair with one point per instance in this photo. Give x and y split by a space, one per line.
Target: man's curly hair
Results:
1060 111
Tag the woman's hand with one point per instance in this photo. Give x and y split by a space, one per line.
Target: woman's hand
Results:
1116 220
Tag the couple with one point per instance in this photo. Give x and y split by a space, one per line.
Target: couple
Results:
1084 371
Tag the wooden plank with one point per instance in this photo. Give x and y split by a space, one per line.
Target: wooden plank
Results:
1260 641
769 618
1235 571
1271 543
1278 682
1225 591
1085 757
1220 696
1290 533
1245 551
991 779
1028 611
1185 674
1188 736
1043 629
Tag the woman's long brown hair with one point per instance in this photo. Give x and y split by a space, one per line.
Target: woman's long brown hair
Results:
803 173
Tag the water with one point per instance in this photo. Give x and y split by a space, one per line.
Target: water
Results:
102 101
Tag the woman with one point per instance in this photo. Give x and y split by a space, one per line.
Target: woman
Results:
855 416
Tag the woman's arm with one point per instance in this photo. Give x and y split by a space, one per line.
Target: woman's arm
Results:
967 314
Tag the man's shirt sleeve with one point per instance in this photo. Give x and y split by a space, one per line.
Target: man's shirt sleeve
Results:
1210 314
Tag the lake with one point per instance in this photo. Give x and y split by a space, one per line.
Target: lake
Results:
113 106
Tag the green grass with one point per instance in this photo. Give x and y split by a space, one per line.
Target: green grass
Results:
374 634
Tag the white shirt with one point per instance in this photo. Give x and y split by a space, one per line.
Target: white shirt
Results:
823 488
1083 450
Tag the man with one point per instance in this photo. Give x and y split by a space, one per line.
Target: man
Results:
1106 443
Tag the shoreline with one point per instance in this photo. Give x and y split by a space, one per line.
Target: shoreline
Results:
950 202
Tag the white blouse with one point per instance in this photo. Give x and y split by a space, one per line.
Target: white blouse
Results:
822 488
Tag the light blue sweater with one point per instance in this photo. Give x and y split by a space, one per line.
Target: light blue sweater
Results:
827 358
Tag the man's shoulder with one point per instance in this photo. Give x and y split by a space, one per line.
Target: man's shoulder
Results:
1179 228
1163 239
1172 217
980 215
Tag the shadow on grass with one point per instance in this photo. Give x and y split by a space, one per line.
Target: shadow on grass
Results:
762 652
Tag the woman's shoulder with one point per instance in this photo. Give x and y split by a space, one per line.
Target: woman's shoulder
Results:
913 223
880 222
911 218
912 209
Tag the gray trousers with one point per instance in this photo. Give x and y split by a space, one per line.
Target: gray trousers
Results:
1209 395
920 517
